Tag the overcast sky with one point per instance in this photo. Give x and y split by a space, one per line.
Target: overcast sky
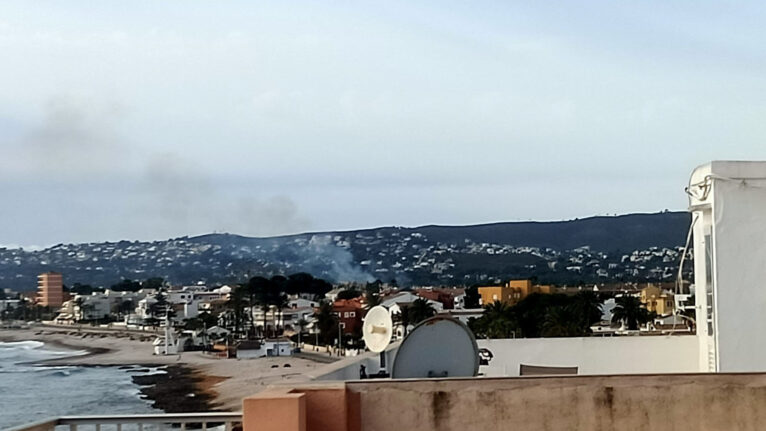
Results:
149 120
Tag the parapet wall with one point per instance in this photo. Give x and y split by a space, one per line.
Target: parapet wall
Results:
591 355
595 355
649 402
627 402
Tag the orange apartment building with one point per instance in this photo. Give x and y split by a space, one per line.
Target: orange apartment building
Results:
511 293
50 289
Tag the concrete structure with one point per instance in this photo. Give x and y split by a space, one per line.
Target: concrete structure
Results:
572 403
50 289
463 314
511 293
98 305
260 349
591 355
594 355
728 204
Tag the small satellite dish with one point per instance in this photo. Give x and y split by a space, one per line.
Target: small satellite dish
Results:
377 329
438 347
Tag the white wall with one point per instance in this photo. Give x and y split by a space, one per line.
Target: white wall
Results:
592 355
730 216
348 369
595 355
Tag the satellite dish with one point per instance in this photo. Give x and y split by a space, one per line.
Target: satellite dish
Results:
438 347
377 329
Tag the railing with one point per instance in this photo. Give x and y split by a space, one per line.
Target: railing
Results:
228 421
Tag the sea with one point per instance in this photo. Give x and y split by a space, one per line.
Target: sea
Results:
30 391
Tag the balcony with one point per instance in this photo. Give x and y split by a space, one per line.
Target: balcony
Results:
213 420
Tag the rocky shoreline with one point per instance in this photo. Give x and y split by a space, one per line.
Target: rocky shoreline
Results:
176 389
219 383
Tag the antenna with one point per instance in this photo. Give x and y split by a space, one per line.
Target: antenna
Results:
438 347
377 329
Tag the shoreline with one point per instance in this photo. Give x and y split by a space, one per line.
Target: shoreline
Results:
161 389
225 381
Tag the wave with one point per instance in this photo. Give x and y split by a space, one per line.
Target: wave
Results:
17 347
21 345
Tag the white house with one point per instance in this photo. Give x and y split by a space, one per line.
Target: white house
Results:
251 350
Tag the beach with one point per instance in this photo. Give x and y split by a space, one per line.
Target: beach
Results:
221 383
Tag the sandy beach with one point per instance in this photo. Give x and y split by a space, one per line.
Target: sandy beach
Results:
227 381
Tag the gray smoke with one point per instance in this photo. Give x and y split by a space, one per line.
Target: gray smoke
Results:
339 262
75 135
185 199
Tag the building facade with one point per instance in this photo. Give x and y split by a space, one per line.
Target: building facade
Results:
350 313
50 289
510 293
657 300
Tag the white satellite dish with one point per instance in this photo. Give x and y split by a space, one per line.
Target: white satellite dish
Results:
377 329
438 347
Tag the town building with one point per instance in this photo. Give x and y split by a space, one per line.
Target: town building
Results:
657 300
350 313
511 293
50 289
449 298
274 320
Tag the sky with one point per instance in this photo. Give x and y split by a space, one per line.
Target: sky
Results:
147 120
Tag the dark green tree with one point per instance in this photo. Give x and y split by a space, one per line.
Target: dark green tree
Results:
327 323
629 310
237 303
562 321
472 297
497 321
586 309
349 294
403 318
153 283
371 300
420 310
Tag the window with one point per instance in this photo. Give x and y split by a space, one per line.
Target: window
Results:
352 314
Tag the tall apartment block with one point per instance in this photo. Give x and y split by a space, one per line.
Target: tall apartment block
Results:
50 289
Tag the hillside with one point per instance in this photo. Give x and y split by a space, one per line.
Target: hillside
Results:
629 247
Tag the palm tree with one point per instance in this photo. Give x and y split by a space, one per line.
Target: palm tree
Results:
421 310
586 308
326 322
562 321
403 318
258 289
237 304
281 302
497 321
629 310
302 323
